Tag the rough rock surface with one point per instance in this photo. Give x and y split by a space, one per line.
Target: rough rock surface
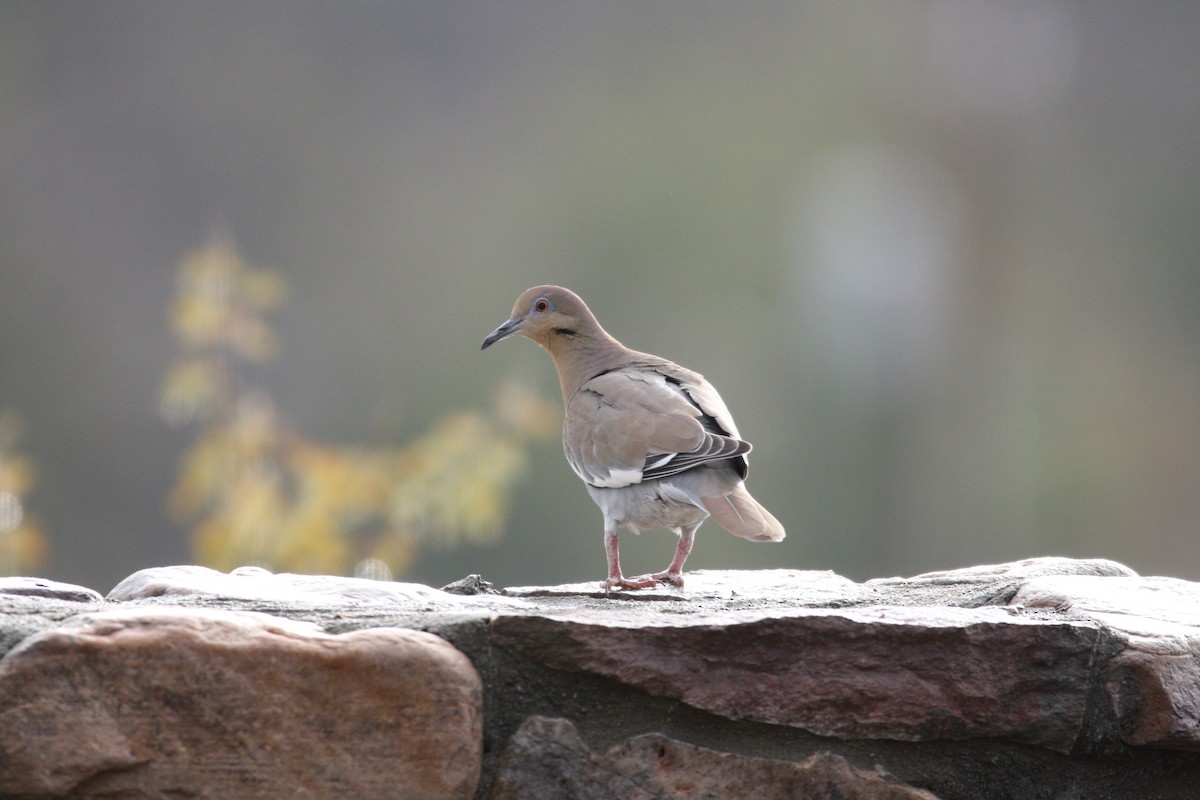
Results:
1154 682
39 587
166 702
871 673
1040 679
547 759
255 583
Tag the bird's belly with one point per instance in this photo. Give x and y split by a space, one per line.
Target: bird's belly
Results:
653 504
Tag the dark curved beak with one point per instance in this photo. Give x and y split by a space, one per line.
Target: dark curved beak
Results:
507 329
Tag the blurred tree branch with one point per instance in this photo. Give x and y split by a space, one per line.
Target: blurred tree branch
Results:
258 492
23 545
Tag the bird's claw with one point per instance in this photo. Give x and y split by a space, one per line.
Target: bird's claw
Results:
643 581
673 578
628 583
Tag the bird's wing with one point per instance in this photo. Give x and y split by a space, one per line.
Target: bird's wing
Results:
647 421
699 392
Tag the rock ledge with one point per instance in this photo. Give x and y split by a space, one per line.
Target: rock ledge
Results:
1040 678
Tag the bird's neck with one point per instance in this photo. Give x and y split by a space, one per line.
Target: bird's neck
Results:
582 357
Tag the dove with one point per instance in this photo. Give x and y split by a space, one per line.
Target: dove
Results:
652 441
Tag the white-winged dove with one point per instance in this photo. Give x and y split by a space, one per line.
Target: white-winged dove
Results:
653 442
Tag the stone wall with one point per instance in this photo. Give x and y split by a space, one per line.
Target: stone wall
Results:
1048 678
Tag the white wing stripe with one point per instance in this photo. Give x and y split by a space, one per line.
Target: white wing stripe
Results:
617 478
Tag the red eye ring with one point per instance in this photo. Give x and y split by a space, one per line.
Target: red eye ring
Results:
541 305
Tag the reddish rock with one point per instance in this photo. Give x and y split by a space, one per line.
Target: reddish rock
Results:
146 702
547 759
1154 683
141 702
904 673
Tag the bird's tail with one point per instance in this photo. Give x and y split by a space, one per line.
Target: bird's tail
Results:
742 515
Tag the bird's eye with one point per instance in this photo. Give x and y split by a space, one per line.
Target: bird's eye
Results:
541 305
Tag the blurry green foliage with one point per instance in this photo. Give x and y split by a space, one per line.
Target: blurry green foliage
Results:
258 492
23 544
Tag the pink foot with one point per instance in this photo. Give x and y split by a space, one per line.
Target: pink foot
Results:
621 582
644 581
673 578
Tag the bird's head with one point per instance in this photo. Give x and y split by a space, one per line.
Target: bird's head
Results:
554 317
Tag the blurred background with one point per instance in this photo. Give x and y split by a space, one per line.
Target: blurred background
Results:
942 260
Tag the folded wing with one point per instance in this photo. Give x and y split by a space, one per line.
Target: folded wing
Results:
648 421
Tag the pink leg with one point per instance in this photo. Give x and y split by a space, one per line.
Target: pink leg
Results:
674 573
616 580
